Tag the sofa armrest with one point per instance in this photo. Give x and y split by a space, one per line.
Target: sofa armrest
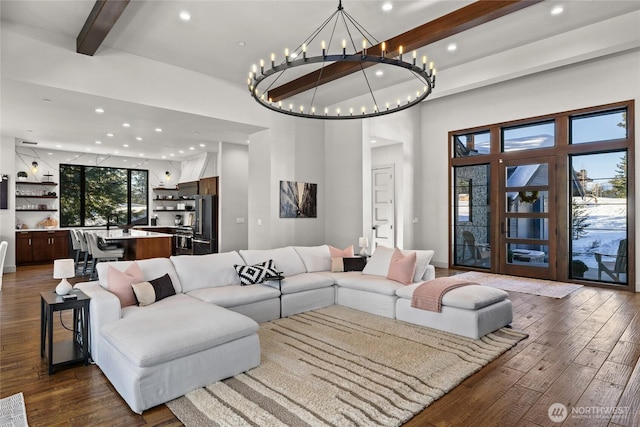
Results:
104 308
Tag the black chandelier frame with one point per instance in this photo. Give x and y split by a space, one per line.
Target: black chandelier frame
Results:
426 75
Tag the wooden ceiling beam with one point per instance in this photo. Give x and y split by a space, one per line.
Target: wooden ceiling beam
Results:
103 17
460 20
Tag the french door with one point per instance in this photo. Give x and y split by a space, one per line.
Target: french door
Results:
527 217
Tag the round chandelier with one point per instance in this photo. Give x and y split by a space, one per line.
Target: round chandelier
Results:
283 87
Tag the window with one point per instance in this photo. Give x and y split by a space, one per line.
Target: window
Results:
601 126
471 144
90 194
528 137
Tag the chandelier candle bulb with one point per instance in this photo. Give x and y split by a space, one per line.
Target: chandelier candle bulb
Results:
286 55
273 60
324 50
262 66
400 49
387 105
280 104
304 51
384 48
290 107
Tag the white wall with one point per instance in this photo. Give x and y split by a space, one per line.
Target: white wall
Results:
610 79
7 216
291 150
233 191
344 178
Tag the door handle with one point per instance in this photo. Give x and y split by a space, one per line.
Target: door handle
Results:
374 227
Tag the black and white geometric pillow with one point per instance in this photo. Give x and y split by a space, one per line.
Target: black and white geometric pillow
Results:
270 268
251 274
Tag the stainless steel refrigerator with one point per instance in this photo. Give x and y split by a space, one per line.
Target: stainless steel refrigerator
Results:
205 228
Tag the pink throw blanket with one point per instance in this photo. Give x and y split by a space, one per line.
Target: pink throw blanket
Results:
428 296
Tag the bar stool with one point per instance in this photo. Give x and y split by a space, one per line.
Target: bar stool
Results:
99 254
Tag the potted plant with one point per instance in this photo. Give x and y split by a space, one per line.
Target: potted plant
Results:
22 176
578 268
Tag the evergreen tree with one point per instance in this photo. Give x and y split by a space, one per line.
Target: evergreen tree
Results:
579 218
619 180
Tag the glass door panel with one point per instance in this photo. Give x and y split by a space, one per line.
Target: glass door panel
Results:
471 222
599 212
527 234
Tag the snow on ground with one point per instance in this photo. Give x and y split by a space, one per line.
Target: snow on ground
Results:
607 225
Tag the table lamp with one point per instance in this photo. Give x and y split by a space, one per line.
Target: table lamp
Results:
63 269
363 242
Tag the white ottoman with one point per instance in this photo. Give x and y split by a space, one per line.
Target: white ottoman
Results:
472 311
156 355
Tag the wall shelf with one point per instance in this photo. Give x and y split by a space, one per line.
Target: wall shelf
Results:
34 183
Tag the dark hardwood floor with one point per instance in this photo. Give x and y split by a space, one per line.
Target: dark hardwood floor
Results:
582 351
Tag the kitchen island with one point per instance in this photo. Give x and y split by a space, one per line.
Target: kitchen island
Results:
139 244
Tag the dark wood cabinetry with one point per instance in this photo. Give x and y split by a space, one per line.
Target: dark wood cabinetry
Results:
41 246
208 186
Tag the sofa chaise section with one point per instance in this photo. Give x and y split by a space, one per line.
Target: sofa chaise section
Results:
158 354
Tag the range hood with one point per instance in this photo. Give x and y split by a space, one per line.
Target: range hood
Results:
192 169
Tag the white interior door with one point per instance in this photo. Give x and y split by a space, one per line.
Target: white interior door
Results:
383 201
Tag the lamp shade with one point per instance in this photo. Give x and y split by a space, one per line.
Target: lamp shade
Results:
64 268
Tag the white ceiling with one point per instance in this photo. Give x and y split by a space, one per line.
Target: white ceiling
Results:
209 44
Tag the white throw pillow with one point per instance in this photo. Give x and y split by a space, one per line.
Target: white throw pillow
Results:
378 264
315 258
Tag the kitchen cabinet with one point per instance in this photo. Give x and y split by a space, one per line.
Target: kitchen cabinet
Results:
208 186
41 246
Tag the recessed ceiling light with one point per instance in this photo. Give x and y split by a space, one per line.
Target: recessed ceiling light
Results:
125 160
452 47
202 145
164 157
387 6
116 152
138 138
88 149
125 145
126 125
58 146
141 154
196 133
51 154
110 135
293 55
192 148
98 142
99 110
379 73
241 43
185 16
181 151
557 10
172 154
46 100
158 129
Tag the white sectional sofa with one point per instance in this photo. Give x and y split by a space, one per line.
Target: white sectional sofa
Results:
207 330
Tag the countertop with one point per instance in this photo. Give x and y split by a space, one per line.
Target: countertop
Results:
119 234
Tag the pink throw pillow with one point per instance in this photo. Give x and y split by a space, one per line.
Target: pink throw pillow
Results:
402 268
339 253
120 283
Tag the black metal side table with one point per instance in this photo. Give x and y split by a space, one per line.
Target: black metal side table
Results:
279 278
70 351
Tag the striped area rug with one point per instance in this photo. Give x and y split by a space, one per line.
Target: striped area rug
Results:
342 367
